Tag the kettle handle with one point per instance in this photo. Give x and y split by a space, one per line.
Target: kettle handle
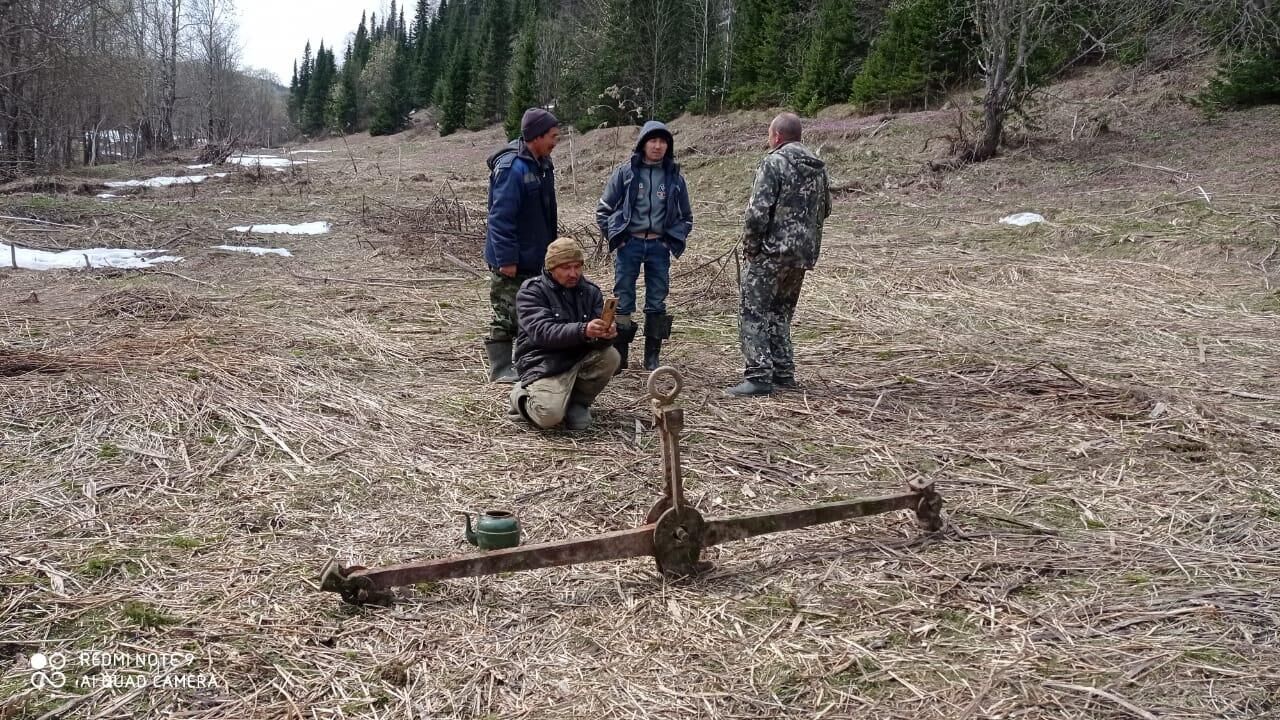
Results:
468 533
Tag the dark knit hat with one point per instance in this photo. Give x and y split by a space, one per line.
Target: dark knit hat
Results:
535 123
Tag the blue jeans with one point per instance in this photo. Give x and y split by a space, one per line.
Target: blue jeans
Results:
655 258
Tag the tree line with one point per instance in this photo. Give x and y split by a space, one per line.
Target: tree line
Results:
90 81
609 62
84 81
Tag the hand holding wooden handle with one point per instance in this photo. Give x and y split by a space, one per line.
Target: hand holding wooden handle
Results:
610 309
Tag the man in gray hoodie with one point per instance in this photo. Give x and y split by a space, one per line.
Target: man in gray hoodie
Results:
645 215
789 202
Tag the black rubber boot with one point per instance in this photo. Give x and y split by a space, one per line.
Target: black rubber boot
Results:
500 368
652 349
622 344
657 327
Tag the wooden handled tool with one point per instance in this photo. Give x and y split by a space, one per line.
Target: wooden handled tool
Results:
610 309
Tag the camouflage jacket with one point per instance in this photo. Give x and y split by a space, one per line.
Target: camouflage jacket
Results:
789 202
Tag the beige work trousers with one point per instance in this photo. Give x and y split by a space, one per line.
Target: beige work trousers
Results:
544 401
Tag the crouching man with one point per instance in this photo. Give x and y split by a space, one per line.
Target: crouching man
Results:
564 351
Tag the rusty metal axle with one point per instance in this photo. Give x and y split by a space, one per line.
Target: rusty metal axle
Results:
674 532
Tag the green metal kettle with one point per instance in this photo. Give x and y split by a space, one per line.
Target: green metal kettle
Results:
494 529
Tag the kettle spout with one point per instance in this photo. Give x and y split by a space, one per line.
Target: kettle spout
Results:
469 533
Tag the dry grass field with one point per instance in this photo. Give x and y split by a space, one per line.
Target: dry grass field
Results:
1097 398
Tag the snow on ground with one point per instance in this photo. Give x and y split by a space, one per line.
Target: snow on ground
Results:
312 228
163 181
268 161
199 167
255 250
80 259
1021 219
106 196
299 152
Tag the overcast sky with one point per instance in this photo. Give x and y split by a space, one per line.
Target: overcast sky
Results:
273 32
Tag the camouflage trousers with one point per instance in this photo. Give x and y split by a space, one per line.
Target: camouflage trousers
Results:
502 296
769 295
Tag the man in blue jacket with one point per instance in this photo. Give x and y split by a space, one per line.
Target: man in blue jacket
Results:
645 215
565 350
522 223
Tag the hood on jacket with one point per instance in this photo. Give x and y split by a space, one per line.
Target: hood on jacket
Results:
806 164
652 128
519 148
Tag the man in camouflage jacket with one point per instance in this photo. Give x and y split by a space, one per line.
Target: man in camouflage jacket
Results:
789 202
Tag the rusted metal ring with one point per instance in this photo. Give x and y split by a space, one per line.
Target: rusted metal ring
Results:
677 384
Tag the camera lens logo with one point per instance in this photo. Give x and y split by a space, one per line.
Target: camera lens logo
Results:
46 670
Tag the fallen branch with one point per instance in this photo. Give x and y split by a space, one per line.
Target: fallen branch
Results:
1105 695
41 222
380 282
708 263
451 258
1181 173
183 277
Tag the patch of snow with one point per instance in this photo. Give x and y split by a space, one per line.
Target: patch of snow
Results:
1022 219
164 181
75 259
270 161
255 250
105 196
312 228
199 167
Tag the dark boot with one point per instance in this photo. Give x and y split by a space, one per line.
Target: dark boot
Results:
657 327
622 344
750 388
577 417
652 349
786 382
500 368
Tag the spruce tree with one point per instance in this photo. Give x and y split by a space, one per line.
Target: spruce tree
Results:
762 49
293 95
316 104
427 58
919 53
524 84
488 91
388 78
453 94
835 51
401 82
343 107
500 57
421 22
361 46
480 92
613 87
304 78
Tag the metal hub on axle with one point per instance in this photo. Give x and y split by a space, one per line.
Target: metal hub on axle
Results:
674 533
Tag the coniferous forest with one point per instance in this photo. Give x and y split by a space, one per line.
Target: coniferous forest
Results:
89 81
610 62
